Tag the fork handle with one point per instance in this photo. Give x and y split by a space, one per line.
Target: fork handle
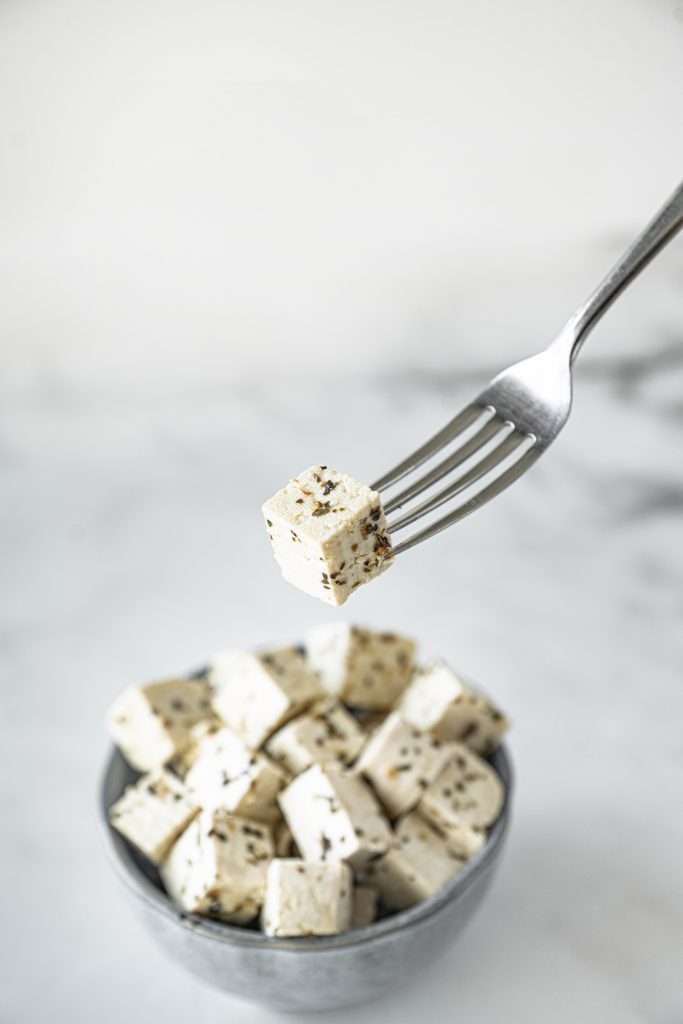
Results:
659 232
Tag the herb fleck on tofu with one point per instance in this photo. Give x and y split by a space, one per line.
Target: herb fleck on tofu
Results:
339 522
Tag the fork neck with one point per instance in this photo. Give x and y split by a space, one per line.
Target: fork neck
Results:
659 232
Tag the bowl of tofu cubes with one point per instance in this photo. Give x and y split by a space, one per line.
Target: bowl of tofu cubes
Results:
307 826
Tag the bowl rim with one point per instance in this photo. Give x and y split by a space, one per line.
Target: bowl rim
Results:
129 871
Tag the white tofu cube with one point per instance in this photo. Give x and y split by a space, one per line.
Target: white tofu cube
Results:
329 533
257 693
365 899
218 867
327 732
401 762
467 794
303 898
363 667
462 840
334 816
151 724
153 812
182 762
439 701
417 865
227 774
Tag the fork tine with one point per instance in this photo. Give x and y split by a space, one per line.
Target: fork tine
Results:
461 422
477 500
506 447
485 434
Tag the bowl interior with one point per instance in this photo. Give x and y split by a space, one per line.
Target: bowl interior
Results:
140 875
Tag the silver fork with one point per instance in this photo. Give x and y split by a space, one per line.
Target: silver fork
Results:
498 436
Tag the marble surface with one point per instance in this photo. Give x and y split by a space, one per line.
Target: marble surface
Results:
238 242
132 547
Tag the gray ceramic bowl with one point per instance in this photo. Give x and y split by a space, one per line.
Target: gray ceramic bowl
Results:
303 974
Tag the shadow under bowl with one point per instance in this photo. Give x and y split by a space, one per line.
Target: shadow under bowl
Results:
304 974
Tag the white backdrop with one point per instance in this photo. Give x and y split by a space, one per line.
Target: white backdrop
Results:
194 192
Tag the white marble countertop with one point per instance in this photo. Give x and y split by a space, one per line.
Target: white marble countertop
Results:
254 242
563 598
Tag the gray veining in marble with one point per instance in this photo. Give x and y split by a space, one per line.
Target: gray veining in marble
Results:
118 543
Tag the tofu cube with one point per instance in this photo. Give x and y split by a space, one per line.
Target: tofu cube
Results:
334 816
362 667
153 812
227 774
303 898
218 867
468 794
418 864
257 693
151 724
329 533
401 762
327 732
439 701
365 899
182 762
462 840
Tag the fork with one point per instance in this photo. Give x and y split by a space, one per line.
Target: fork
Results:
501 434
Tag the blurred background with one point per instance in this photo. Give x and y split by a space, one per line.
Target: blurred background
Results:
240 238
